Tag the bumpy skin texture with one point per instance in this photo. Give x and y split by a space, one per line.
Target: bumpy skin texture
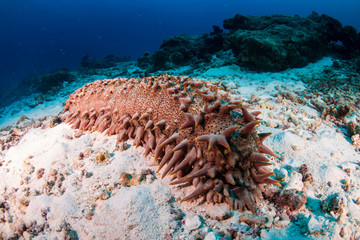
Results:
197 132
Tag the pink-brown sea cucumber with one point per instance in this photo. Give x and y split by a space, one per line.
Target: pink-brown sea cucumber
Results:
198 133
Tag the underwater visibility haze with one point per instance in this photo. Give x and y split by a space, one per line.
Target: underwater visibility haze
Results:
39 36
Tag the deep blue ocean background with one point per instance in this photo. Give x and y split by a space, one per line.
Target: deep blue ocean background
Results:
41 35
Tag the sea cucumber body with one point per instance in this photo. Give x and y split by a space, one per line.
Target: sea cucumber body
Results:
195 129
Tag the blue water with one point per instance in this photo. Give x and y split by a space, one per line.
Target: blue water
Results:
40 35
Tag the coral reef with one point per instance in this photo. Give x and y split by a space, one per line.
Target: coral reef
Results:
45 82
36 83
198 133
106 62
50 80
277 42
261 43
183 50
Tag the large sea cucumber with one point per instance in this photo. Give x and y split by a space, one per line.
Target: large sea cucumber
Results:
196 131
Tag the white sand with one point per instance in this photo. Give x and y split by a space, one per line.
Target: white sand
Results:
80 197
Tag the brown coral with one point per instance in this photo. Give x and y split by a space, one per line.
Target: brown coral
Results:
197 132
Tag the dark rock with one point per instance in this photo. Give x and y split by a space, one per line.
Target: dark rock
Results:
55 79
144 61
260 43
237 22
353 128
335 203
216 30
306 174
252 220
101 63
183 50
290 199
277 42
350 38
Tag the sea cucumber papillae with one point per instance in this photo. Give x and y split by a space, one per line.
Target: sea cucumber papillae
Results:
198 133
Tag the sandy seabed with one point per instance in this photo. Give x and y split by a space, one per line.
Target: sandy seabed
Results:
56 182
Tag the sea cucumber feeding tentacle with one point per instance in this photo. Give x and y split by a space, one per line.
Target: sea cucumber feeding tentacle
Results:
197 132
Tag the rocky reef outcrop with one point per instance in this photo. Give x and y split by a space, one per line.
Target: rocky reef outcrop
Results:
101 63
277 42
260 43
183 50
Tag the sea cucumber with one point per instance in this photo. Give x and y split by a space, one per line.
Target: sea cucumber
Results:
197 131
